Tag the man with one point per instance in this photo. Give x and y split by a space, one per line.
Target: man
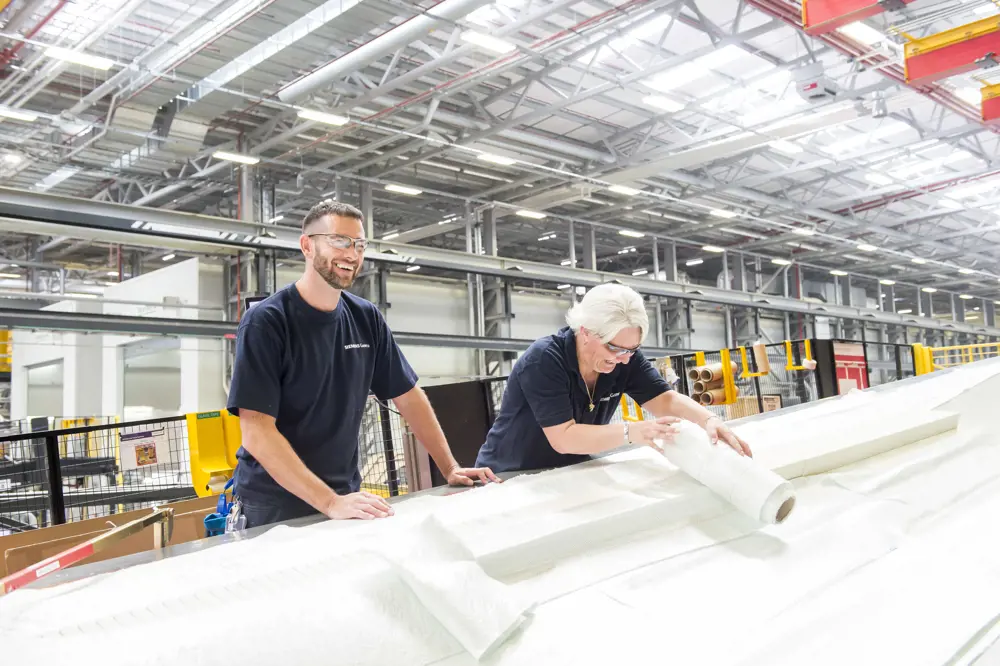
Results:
562 393
306 359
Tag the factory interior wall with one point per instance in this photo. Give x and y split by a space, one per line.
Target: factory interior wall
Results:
152 384
77 354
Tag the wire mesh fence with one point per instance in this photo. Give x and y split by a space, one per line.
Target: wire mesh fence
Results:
382 444
82 470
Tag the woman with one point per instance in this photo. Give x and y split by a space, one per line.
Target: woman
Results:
564 390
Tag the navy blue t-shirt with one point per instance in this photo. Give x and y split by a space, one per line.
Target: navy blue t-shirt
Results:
312 371
545 388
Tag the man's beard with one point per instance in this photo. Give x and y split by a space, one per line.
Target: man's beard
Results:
325 268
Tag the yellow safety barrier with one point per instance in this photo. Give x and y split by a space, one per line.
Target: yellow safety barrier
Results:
790 365
212 440
929 359
6 358
627 410
746 374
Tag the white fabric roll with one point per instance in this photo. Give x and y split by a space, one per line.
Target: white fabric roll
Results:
751 488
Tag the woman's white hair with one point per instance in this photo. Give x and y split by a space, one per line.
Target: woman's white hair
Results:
607 309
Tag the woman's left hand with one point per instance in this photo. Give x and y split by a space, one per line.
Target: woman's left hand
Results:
717 430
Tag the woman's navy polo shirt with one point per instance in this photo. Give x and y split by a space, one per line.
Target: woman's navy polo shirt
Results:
544 389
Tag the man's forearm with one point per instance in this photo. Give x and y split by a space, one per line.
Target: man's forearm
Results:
276 455
416 410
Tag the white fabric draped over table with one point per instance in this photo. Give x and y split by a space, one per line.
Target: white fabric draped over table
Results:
889 556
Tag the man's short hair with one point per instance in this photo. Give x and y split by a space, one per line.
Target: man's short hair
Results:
330 207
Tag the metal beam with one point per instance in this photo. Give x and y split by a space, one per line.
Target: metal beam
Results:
64 214
102 323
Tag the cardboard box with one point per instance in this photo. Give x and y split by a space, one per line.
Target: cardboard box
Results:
21 550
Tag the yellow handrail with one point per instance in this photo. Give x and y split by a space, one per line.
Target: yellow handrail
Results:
929 359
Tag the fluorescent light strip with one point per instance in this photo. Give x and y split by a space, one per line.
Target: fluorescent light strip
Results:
487 42
622 189
79 58
838 272
725 214
403 189
325 118
496 159
630 233
235 157
713 248
781 262
640 271
531 214
694 262
18 114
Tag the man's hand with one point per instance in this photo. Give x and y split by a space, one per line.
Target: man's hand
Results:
467 476
362 505
717 430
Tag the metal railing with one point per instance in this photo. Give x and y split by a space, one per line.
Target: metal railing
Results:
929 359
786 384
53 476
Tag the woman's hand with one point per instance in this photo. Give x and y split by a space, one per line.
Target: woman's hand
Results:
717 430
648 432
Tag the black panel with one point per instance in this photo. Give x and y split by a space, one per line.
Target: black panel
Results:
825 368
462 411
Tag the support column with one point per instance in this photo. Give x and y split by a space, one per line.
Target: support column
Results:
496 301
670 261
957 308
572 244
989 313
890 296
655 300
589 249
371 283
367 208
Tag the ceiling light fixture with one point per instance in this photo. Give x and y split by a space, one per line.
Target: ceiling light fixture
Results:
11 275
694 262
169 257
725 214
838 272
12 158
622 189
781 262
534 215
79 58
496 159
929 290
630 233
640 271
410 269
235 157
918 260
18 114
906 311
325 118
887 283
390 236
713 248
804 231
965 297
867 247
966 271
786 147
487 42
403 189
662 103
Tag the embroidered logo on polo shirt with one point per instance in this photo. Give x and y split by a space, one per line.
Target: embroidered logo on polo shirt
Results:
357 345
609 397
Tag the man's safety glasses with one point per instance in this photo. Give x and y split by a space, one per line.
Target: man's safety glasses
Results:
341 242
